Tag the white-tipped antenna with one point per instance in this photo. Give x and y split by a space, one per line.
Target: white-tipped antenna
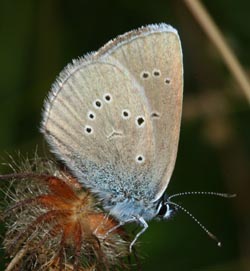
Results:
223 195
197 222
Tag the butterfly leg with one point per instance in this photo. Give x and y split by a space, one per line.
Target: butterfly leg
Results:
120 224
144 224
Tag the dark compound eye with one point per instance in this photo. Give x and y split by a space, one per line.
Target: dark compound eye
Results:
163 210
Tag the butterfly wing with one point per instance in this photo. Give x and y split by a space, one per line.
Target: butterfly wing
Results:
153 55
97 121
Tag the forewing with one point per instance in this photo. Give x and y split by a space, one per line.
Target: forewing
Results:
97 121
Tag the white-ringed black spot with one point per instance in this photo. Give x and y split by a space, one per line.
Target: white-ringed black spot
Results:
107 97
126 114
145 75
97 104
91 115
139 158
140 121
156 73
88 130
167 81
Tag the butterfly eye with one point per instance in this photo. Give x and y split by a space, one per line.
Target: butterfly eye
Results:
164 210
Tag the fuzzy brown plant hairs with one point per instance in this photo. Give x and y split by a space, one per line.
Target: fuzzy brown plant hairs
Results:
52 223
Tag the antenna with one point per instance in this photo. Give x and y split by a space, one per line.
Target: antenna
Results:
216 194
196 220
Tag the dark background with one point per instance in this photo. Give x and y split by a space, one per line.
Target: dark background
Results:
38 38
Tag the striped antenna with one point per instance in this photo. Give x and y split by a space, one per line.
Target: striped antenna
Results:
211 235
223 195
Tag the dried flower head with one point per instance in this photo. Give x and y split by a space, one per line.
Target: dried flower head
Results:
54 224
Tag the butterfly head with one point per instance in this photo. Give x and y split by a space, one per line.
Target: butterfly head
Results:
164 209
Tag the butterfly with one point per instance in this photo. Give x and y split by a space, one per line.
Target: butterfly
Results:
113 117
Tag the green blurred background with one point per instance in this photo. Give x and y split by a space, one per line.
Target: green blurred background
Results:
38 38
